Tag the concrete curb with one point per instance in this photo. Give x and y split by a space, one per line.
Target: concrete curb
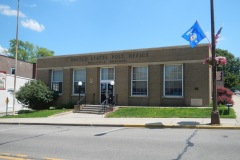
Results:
185 126
205 126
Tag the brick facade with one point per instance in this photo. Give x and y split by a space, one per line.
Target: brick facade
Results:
24 69
196 76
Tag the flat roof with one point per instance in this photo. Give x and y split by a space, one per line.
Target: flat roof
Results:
122 51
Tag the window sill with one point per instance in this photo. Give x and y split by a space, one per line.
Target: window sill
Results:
77 95
180 97
139 96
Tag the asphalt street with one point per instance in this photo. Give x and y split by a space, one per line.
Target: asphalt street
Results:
120 143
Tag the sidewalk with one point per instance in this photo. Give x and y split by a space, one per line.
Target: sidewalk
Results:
78 119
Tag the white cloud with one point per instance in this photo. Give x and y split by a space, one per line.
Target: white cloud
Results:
27 23
3 51
33 25
6 10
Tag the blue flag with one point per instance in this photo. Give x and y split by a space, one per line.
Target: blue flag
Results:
194 35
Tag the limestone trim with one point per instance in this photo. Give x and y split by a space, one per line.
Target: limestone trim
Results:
125 64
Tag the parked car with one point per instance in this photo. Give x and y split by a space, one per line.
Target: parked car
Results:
237 92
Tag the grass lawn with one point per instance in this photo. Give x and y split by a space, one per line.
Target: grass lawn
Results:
141 112
37 114
144 112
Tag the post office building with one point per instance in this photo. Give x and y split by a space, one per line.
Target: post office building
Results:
166 76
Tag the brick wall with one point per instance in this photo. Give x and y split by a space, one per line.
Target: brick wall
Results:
196 81
24 69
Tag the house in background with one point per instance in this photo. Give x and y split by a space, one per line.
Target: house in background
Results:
25 72
166 76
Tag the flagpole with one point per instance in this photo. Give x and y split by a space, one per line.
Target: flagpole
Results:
215 118
210 45
204 33
16 55
208 41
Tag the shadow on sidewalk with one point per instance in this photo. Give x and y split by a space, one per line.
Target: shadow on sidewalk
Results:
189 123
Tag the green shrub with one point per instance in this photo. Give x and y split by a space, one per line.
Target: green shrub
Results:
35 95
25 111
65 106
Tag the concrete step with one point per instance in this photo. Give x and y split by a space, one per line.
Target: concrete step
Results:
89 112
91 109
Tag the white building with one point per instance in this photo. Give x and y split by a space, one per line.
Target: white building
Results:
25 72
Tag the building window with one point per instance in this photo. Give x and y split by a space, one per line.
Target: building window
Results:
57 79
140 80
12 70
173 80
79 75
107 73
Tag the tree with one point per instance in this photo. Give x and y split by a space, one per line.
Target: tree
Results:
35 95
27 51
40 52
224 96
43 52
231 69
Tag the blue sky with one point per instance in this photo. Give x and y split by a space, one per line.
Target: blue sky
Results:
85 26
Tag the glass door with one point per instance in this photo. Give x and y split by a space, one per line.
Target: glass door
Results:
107 93
103 92
106 85
110 93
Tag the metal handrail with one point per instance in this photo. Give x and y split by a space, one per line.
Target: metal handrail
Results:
81 100
104 105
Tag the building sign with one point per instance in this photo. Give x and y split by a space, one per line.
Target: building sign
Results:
2 80
110 59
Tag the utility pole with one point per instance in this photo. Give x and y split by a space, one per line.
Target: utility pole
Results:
16 55
215 118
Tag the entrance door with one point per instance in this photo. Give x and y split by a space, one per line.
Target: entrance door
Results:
107 93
